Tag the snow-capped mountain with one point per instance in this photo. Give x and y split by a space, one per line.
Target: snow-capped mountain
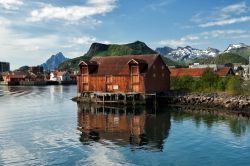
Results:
188 53
236 47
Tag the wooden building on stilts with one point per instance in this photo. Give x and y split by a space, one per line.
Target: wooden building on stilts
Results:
124 80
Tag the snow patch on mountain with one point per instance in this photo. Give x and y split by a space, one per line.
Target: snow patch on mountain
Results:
188 53
234 47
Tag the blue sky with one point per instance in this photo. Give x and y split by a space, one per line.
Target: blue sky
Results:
32 30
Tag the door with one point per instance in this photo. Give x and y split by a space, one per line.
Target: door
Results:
85 83
135 78
109 80
109 88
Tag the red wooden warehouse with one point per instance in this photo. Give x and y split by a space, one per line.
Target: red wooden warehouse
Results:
124 74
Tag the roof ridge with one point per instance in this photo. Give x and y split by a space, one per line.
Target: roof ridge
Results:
120 56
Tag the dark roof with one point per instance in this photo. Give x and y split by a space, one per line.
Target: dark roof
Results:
138 61
118 65
87 63
224 71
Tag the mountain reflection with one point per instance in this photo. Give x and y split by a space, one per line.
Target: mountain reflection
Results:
124 126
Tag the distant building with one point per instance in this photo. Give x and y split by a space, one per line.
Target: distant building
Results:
15 76
36 69
63 76
213 66
246 73
60 76
53 76
4 67
197 72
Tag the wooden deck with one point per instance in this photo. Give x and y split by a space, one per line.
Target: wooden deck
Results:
117 98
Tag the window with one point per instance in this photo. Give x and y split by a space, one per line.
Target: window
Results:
84 70
109 88
115 87
162 67
163 75
154 75
153 66
135 79
134 69
109 79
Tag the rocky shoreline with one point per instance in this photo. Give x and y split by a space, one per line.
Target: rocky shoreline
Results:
214 101
209 100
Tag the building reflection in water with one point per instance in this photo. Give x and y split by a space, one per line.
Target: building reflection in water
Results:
124 126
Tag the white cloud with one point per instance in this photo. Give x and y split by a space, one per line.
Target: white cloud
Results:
23 49
181 42
226 22
221 33
227 15
84 40
11 4
172 43
156 6
73 13
4 22
200 38
235 8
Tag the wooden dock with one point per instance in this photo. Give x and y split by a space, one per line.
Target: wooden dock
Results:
117 98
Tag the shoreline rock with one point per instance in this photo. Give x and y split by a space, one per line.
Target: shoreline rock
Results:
210 100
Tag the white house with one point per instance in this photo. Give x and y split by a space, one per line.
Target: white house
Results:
60 76
53 76
63 76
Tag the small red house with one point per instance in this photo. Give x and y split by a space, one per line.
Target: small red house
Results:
122 74
15 76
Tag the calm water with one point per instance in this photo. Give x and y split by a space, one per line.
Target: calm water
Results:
42 126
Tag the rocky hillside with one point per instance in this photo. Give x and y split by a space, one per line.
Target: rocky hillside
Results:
53 62
240 49
233 53
99 49
187 53
164 50
222 59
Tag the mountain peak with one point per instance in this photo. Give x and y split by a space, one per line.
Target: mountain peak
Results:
235 47
53 62
138 42
189 47
188 53
59 54
164 50
135 48
99 49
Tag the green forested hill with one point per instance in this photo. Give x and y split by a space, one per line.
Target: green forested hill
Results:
99 49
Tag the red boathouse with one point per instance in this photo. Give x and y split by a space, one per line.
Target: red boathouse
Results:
124 74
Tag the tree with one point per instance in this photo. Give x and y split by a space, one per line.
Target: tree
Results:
209 79
234 85
182 83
